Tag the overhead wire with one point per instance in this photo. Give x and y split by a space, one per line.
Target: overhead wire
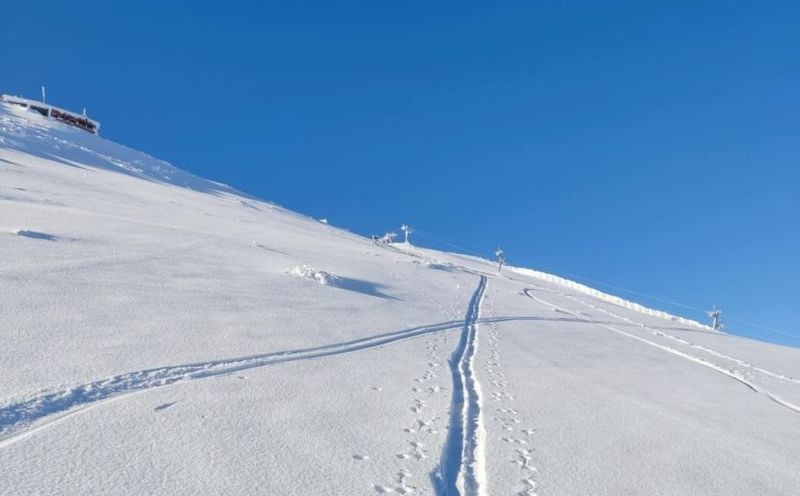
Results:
476 251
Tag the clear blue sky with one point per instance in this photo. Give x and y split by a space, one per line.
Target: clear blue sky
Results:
654 146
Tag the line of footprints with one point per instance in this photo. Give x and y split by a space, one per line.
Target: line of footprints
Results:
424 423
508 418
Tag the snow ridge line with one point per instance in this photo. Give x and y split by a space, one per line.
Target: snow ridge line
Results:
461 470
58 404
732 374
705 349
667 335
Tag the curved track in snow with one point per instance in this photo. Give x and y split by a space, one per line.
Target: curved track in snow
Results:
23 418
713 366
60 403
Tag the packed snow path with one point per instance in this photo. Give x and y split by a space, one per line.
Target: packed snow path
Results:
461 471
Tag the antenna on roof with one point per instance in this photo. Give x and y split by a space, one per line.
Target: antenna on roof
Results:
44 96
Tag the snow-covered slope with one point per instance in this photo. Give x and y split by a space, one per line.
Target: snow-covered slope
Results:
164 334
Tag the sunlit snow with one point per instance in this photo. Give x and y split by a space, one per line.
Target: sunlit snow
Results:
165 334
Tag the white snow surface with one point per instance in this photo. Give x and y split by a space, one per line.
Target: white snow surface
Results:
164 334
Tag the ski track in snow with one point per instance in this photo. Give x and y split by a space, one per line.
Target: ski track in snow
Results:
54 405
702 348
462 469
57 405
718 368
422 426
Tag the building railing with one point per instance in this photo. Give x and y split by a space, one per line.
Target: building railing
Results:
81 121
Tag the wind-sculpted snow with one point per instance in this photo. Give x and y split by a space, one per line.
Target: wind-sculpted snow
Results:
606 297
350 284
33 134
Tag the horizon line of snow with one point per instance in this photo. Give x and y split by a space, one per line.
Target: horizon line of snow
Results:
617 300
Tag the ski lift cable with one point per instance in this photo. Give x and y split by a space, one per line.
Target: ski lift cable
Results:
448 243
675 303
469 250
762 327
472 250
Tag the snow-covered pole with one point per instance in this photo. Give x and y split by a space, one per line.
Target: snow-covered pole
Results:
406 231
716 321
501 259
44 95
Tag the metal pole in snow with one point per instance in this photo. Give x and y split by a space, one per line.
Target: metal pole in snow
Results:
44 95
716 322
406 231
501 259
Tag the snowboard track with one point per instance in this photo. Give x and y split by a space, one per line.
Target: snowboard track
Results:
461 469
713 366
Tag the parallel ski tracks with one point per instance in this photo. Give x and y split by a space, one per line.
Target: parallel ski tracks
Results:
713 366
461 469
